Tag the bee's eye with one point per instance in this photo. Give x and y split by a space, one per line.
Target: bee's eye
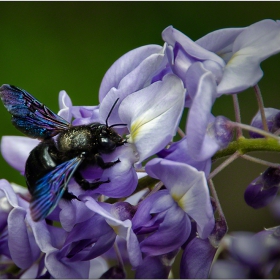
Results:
107 144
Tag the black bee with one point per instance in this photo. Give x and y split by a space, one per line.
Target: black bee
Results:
52 163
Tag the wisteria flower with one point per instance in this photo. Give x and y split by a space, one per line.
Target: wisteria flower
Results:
130 73
233 55
250 255
262 190
165 215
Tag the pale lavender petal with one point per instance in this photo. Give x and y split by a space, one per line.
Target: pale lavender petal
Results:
255 44
16 149
85 115
136 80
97 267
65 105
203 95
31 272
134 199
123 66
23 248
223 269
42 234
63 268
248 248
220 40
152 115
7 189
171 36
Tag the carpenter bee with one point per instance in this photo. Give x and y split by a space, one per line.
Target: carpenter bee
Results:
52 163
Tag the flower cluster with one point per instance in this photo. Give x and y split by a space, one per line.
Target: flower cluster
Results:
155 201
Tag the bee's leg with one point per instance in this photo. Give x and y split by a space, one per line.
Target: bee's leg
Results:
69 196
85 185
100 162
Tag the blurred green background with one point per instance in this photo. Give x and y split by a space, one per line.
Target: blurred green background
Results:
49 46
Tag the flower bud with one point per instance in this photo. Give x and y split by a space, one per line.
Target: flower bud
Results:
272 118
123 210
271 178
222 131
263 189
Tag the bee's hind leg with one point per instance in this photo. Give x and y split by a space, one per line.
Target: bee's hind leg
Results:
86 185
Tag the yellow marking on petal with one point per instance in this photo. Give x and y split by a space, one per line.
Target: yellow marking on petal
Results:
116 229
232 58
178 199
135 129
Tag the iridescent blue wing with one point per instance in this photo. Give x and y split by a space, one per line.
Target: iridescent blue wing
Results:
29 115
50 188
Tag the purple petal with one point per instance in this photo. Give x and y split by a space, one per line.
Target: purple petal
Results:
123 178
179 151
94 231
250 249
189 188
16 149
197 259
223 269
152 268
23 248
65 268
172 232
272 117
122 228
257 196
156 203
73 213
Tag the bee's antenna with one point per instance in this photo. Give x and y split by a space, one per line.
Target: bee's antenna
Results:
118 124
111 112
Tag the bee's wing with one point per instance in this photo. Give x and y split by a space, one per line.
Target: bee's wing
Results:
50 188
29 115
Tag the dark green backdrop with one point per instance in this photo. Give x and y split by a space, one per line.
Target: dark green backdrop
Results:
49 46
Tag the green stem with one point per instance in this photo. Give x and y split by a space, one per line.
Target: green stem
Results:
146 182
243 146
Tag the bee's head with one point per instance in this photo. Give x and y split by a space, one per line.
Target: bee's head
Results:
108 139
